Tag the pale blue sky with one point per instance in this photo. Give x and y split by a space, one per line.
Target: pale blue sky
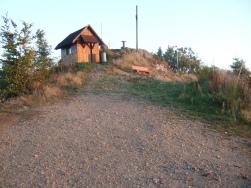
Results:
217 30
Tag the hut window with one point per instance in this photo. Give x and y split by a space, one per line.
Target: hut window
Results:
68 51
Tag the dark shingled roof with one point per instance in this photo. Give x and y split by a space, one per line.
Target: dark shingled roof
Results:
70 38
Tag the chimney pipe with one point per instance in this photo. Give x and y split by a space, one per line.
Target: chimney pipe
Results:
123 43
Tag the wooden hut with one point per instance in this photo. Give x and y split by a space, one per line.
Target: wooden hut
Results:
81 46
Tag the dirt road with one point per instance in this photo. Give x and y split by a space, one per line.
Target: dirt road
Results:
117 141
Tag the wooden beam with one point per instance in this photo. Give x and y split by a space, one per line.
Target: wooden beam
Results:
91 45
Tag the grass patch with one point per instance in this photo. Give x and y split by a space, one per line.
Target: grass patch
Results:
162 93
84 66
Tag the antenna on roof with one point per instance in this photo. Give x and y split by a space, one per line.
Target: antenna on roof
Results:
101 31
137 27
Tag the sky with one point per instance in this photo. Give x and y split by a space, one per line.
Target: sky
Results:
216 30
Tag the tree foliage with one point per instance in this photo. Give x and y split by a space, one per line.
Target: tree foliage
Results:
170 57
43 59
186 62
159 52
238 67
25 58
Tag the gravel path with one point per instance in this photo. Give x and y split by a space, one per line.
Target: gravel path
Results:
117 141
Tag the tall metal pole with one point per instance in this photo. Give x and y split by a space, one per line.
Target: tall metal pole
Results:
177 61
137 27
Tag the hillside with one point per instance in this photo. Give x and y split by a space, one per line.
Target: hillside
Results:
126 58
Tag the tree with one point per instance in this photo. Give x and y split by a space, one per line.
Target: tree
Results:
10 61
238 67
24 61
187 61
43 55
160 53
170 57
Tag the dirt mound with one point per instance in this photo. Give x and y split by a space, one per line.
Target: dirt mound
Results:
125 59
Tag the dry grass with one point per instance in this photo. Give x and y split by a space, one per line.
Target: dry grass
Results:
39 97
70 79
189 78
49 92
247 114
183 78
129 59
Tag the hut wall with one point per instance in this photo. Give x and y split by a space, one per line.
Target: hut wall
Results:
69 58
96 51
83 53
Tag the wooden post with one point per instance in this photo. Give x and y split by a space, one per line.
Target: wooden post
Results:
137 27
91 46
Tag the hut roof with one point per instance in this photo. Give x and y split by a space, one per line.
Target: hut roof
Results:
71 38
89 38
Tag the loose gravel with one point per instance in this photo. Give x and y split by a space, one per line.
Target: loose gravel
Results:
118 141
